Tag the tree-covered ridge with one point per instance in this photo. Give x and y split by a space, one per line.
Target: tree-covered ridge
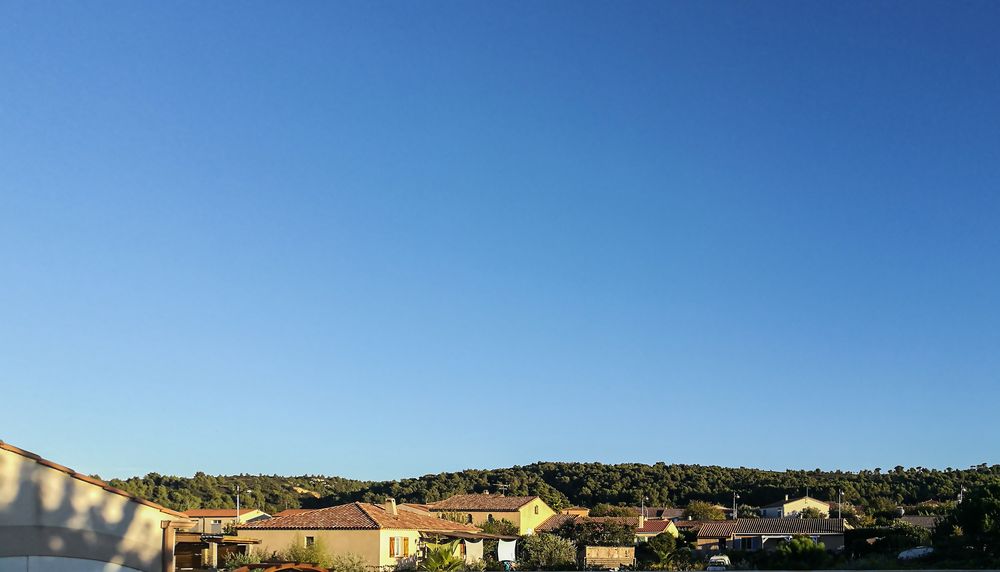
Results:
564 484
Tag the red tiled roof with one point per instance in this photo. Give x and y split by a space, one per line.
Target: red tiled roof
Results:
209 512
631 520
754 526
291 511
359 516
496 503
654 526
556 521
89 480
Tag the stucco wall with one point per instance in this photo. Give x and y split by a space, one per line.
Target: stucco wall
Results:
529 520
364 543
46 512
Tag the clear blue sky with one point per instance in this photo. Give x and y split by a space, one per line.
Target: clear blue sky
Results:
386 239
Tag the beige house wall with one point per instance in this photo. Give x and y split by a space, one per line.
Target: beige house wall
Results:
45 512
364 543
206 523
794 507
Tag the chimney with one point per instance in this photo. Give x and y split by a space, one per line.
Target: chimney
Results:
786 498
642 521
390 506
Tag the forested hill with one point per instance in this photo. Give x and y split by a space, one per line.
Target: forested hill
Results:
563 484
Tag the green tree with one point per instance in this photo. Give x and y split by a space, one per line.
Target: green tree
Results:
590 533
605 509
976 520
657 551
502 527
548 552
701 510
811 512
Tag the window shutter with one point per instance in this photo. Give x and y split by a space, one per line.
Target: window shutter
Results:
406 546
392 546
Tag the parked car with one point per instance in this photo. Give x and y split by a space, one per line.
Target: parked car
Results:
720 562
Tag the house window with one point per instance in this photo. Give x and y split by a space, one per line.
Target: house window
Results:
489 518
469 519
217 521
310 540
399 546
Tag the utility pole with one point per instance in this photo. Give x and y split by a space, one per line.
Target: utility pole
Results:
840 503
237 504
735 510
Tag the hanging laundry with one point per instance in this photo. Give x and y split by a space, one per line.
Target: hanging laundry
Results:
505 550
473 551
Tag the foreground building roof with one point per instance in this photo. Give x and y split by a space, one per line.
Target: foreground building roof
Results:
359 516
87 479
483 502
769 526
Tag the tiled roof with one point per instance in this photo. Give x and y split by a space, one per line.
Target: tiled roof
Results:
784 502
632 520
210 512
359 516
755 526
89 480
654 526
556 521
497 503
291 511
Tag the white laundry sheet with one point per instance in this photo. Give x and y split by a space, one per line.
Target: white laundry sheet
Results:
473 551
505 550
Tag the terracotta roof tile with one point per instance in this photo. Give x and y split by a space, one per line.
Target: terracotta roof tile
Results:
497 503
290 511
556 521
752 526
654 526
359 516
87 479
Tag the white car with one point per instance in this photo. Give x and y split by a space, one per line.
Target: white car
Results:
720 562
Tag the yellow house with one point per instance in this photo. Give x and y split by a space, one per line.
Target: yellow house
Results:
649 528
381 534
792 508
525 512
215 520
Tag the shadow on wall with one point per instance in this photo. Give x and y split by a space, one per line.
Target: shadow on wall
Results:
50 514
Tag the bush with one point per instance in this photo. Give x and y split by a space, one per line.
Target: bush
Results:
549 552
238 559
297 551
348 563
800 553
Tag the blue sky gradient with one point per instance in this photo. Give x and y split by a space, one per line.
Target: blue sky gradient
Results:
382 239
